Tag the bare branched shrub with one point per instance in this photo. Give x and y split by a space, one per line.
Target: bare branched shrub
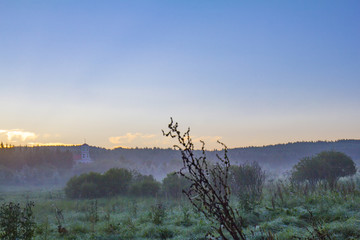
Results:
60 220
209 191
92 214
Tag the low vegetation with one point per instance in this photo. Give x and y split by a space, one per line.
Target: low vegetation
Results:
285 210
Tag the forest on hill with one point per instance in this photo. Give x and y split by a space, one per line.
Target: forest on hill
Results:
55 165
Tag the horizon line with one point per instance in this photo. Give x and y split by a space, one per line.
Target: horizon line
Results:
133 148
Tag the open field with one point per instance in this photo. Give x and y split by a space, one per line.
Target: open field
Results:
284 211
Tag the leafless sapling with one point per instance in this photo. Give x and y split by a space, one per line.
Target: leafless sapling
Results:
209 191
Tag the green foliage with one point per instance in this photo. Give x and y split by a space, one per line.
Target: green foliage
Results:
17 222
327 165
186 221
337 215
157 213
94 185
144 186
85 186
246 181
116 181
173 185
127 229
158 232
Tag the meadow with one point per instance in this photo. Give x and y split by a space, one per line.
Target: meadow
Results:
285 211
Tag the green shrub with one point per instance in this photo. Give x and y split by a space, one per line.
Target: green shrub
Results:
174 184
157 213
327 165
144 186
185 220
17 222
94 185
116 181
127 229
86 185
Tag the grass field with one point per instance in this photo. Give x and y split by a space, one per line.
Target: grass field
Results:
286 212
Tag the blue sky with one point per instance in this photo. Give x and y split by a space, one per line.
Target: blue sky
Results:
114 72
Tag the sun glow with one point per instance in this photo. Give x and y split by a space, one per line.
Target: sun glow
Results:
34 144
14 135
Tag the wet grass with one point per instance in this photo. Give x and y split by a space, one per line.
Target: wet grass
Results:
287 216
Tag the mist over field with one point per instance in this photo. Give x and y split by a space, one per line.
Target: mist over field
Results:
53 165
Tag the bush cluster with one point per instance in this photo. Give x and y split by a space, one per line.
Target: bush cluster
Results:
326 166
116 181
119 181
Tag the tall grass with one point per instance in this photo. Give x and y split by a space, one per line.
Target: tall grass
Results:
286 211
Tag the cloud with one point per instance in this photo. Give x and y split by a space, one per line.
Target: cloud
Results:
131 137
15 135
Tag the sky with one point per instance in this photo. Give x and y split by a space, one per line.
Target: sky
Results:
112 73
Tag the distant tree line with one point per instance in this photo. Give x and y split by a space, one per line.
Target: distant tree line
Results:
31 164
17 157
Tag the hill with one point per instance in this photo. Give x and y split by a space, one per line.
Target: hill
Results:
158 162
54 164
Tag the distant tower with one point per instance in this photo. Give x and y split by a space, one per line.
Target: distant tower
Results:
85 154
